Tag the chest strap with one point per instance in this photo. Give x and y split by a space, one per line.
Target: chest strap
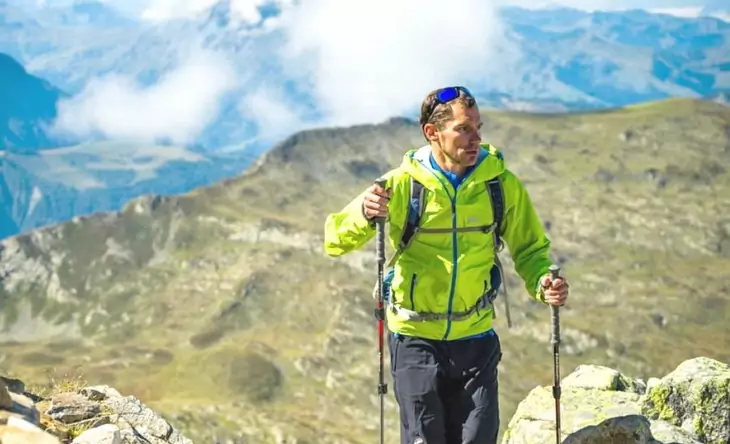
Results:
484 301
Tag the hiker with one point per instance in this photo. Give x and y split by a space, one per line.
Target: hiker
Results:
444 351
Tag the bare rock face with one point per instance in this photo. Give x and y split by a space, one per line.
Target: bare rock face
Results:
599 405
89 415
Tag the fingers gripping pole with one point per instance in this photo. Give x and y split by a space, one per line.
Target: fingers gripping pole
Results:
555 340
380 313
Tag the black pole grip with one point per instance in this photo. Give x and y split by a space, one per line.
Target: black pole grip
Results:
380 236
554 274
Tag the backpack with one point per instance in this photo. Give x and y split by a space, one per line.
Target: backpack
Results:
413 219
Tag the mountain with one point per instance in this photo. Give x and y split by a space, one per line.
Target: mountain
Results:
219 309
28 108
43 183
49 186
547 59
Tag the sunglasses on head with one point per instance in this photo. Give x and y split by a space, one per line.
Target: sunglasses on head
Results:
446 95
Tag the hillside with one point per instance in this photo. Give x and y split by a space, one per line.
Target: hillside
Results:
218 308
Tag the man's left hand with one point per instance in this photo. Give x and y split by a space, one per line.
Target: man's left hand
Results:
556 292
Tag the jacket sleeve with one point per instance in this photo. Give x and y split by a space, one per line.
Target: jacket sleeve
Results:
525 236
348 229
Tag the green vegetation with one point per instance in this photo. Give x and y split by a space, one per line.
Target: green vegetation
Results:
222 297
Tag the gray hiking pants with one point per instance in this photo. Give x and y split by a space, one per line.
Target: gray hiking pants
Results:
446 390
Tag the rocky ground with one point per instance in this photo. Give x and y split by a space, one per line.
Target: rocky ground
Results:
598 405
79 414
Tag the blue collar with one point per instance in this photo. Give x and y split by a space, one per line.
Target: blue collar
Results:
454 178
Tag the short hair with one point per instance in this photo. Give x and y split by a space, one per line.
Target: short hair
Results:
439 113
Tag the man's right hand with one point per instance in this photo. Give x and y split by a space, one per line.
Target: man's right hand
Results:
375 202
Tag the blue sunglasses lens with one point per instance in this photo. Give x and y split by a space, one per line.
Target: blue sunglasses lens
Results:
447 94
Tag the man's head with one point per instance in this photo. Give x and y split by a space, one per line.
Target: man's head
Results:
451 123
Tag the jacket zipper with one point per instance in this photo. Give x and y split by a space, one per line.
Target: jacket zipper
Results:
454 247
454 260
413 288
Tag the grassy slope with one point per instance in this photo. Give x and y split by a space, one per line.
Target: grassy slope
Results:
188 301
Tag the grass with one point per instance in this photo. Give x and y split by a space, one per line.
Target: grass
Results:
218 306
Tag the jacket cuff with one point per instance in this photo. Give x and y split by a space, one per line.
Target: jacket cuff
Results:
540 290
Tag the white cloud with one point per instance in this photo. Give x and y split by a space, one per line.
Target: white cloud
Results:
275 116
178 107
243 10
370 60
682 8
359 60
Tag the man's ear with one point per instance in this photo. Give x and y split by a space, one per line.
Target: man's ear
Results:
431 132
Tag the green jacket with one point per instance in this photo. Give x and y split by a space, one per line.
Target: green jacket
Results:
448 272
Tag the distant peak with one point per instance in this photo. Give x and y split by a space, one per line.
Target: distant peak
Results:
9 65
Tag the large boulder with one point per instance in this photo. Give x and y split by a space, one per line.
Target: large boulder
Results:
599 405
695 397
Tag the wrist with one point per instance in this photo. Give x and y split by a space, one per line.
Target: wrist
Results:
370 220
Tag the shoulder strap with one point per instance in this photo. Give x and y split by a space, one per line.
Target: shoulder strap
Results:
415 211
496 195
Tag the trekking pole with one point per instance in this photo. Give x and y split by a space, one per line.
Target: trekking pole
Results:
380 314
554 274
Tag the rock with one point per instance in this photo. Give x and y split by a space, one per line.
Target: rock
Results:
20 431
600 378
99 393
695 397
136 422
106 434
69 408
134 417
13 385
6 402
101 412
599 405
595 415
667 433
17 405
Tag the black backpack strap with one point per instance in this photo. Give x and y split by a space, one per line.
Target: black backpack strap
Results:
496 195
413 216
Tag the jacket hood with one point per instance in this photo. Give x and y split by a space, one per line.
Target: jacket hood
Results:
416 162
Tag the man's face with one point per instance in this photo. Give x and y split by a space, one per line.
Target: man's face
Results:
460 137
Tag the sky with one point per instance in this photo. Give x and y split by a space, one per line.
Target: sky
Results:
331 47
161 9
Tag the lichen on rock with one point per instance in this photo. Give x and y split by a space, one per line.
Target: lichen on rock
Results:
695 397
599 405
